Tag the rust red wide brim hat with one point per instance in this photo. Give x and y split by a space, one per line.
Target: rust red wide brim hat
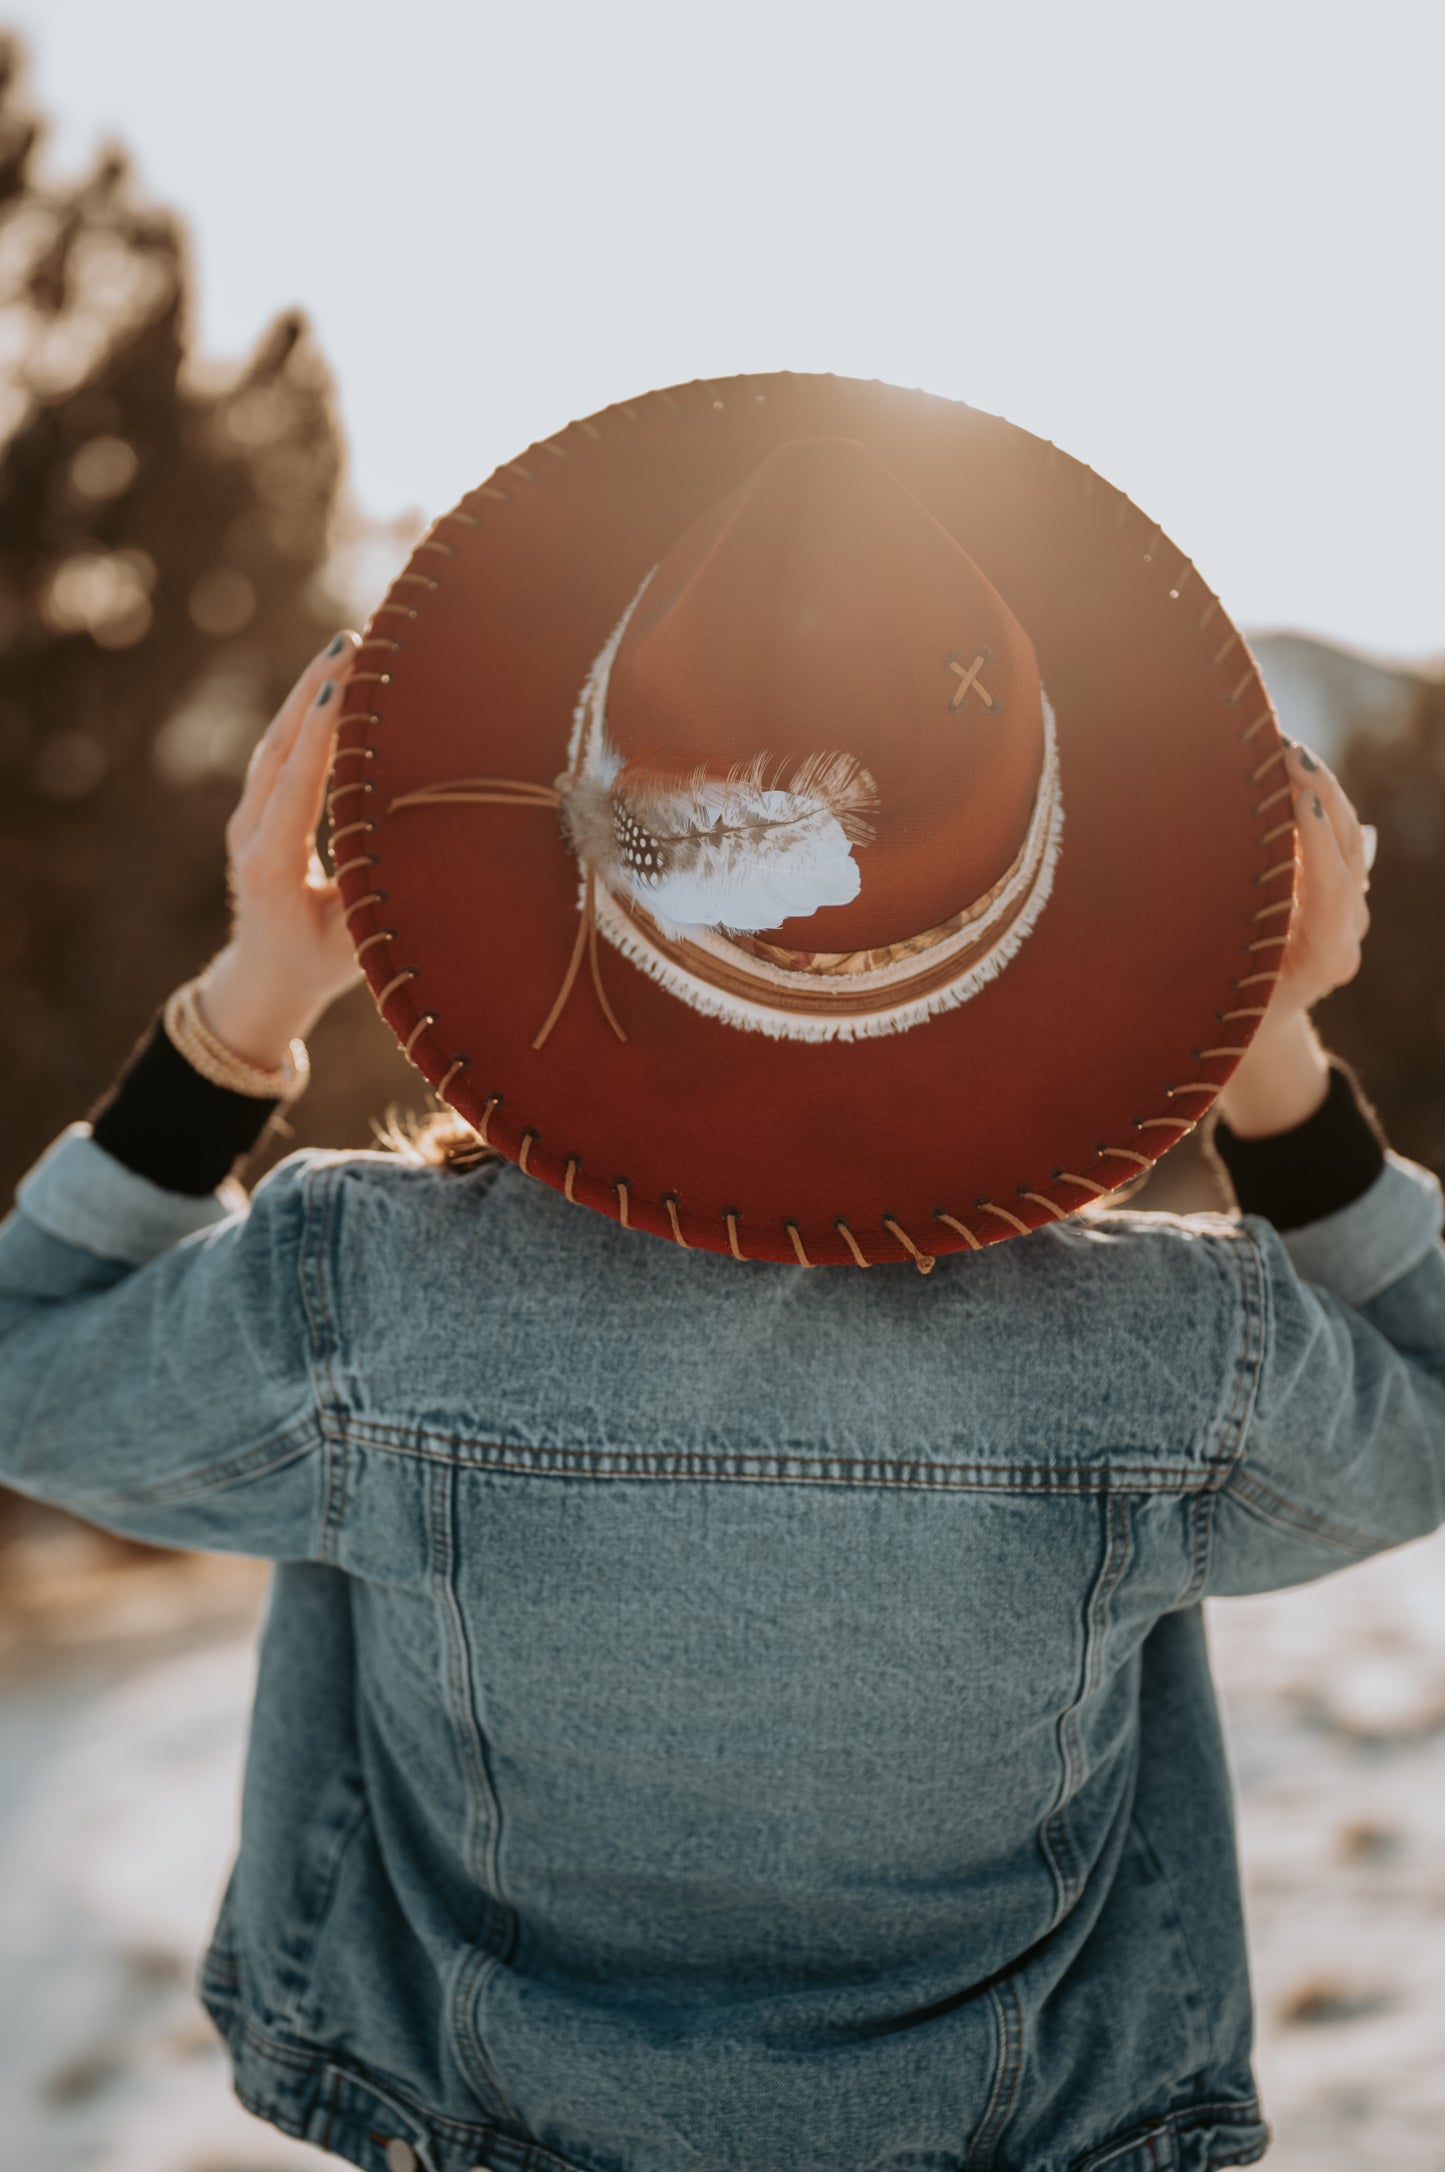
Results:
812 820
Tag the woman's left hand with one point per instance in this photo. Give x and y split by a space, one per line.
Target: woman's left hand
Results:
290 954
1283 1076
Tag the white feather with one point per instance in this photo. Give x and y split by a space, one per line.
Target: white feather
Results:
783 857
733 853
782 1023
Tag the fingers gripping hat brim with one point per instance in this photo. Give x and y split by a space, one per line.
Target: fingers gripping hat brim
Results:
1101 1041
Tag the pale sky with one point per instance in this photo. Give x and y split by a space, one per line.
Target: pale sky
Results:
1198 247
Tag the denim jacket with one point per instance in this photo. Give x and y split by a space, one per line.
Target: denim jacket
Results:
717 1718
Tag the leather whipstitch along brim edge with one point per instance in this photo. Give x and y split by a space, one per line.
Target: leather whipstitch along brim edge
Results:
1041 1195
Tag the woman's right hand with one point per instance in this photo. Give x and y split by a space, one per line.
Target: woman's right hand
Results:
290 952
1284 1075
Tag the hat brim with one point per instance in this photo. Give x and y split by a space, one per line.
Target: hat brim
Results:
1103 1041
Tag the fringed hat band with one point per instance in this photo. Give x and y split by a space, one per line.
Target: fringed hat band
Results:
760 987
851 995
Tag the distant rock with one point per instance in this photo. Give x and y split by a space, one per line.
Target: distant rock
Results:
1324 691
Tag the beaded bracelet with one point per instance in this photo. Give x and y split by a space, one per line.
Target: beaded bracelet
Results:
187 1029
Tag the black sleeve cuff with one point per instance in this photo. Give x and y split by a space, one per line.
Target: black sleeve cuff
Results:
1319 1166
166 1122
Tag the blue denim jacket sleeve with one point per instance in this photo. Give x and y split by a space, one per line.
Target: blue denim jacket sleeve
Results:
156 1369
1344 1452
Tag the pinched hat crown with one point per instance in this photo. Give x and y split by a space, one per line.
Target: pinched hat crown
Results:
813 766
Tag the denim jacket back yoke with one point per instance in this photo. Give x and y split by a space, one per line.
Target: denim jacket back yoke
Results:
717 1718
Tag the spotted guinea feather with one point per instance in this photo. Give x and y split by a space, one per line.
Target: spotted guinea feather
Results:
738 853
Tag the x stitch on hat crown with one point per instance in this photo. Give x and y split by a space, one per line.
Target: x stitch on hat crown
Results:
819 608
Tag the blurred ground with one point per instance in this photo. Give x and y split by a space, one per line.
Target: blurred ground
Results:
125 1680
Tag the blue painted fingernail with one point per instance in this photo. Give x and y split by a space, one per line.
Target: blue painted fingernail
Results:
1306 759
337 645
1319 810
328 688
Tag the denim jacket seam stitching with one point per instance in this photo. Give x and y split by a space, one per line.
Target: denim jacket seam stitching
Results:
467 1984
329 1288
1201 1547
1111 1575
1055 1838
1019 1478
1015 2081
483 1836
314 1279
1054 1841
1226 1425
441 1549
1253 1292
1186 2116
948 1481
308 2056
387 1433
335 2067
1095 1480
1248 1262
1003 2092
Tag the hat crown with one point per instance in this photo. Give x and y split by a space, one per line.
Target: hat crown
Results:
820 608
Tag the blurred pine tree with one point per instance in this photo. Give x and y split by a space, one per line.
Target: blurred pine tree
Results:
163 534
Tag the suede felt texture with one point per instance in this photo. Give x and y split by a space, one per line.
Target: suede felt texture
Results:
1299 1176
1100 1044
164 1120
